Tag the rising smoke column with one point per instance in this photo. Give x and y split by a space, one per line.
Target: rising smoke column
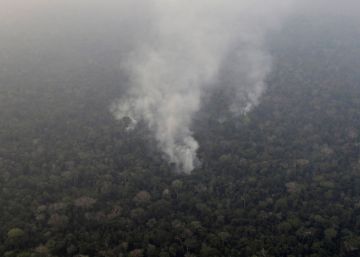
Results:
189 46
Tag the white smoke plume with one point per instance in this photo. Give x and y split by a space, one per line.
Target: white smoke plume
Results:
190 46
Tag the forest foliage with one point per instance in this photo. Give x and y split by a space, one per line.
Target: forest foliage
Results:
283 180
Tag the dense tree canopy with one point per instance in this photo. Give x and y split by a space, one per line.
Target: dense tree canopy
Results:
284 180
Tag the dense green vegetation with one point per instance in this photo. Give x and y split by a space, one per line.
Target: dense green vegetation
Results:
282 181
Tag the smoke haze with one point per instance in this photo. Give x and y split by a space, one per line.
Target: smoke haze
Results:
172 51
